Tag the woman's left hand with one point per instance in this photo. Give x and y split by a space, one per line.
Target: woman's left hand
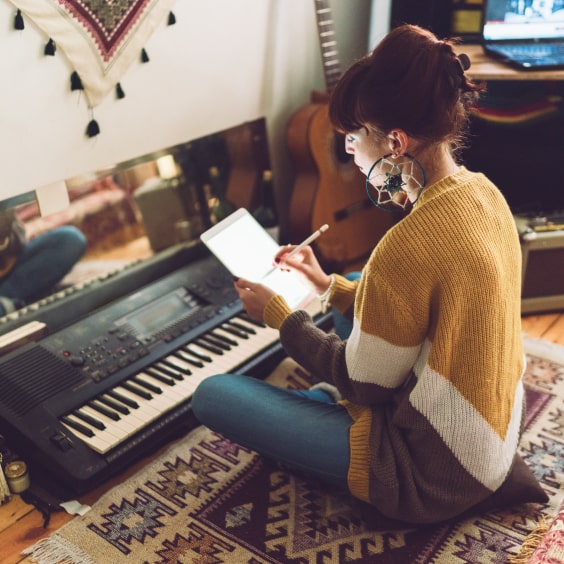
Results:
254 297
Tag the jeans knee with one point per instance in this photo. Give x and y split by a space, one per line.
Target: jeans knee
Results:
205 397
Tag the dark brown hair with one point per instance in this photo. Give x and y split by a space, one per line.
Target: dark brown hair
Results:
411 81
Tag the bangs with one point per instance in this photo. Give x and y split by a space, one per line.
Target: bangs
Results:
345 111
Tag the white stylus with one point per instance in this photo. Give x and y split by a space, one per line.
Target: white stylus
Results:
309 240
303 244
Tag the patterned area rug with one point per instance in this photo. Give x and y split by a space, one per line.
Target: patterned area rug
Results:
206 500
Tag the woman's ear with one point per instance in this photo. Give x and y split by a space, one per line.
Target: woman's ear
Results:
398 141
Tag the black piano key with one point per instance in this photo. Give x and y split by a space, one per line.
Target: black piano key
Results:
215 342
160 377
187 358
89 419
86 431
169 369
208 347
104 410
225 338
135 390
121 398
246 317
115 405
197 354
232 328
244 327
173 366
147 385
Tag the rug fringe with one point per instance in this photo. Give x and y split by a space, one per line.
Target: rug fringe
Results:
544 349
56 549
531 543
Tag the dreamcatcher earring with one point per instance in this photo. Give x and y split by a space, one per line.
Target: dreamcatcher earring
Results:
390 185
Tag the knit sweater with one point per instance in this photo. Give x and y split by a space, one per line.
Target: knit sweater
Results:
431 373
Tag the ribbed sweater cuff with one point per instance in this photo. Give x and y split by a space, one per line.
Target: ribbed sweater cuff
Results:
343 292
276 311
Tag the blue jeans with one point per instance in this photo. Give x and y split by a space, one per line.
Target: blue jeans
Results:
304 430
43 262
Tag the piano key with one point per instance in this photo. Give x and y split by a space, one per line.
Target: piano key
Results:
95 439
196 351
120 407
112 414
90 420
160 376
171 395
246 317
173 372
123 399
136 390
114 432
184 365
216 340
147 385
77 426
224 336
248 324
185 357
147 406
169 362
209 347
232 328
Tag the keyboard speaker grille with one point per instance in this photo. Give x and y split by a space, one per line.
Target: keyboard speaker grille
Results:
32 378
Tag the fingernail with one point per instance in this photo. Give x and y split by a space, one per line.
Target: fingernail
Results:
277 260
235 278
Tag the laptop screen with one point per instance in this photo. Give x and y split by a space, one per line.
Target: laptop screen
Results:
523 19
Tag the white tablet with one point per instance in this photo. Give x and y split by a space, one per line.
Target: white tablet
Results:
247 250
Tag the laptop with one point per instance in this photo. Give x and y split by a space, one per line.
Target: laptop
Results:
526 34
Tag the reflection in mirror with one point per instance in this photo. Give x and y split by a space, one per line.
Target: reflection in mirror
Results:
133 210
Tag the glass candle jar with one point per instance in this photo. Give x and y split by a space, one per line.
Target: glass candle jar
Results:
17 476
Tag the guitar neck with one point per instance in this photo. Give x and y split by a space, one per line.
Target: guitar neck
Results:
327 44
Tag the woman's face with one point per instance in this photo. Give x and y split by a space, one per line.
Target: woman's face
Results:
366 148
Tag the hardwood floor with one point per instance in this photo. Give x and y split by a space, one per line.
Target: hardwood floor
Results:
21 525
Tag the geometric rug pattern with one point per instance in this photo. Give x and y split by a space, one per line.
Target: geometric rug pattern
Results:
206 500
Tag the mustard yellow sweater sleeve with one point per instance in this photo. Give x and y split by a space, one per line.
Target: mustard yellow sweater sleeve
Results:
342 298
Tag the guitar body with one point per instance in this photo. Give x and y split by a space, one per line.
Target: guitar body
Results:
330 189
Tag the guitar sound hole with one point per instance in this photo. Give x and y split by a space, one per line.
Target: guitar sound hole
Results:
339 148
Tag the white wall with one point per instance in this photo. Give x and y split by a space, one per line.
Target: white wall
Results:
223 63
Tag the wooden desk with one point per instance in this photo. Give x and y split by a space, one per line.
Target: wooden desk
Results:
486 68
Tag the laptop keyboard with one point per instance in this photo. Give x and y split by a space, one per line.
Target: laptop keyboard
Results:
553 51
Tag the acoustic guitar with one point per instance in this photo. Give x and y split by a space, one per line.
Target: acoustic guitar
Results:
328 187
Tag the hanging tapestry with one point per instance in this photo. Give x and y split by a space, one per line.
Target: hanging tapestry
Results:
100 38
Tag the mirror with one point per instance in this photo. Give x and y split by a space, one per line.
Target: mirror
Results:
133 210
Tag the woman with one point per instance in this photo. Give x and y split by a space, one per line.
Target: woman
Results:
30 269
420 411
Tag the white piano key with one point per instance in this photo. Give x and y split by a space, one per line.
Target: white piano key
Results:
101 444
122 428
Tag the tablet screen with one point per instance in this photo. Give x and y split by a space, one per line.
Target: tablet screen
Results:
247 251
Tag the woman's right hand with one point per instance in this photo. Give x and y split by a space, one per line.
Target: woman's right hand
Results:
306 263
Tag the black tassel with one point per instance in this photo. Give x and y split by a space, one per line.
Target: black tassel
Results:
119 91
19 21
50 47
144 56
76 83
171 18
93 128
